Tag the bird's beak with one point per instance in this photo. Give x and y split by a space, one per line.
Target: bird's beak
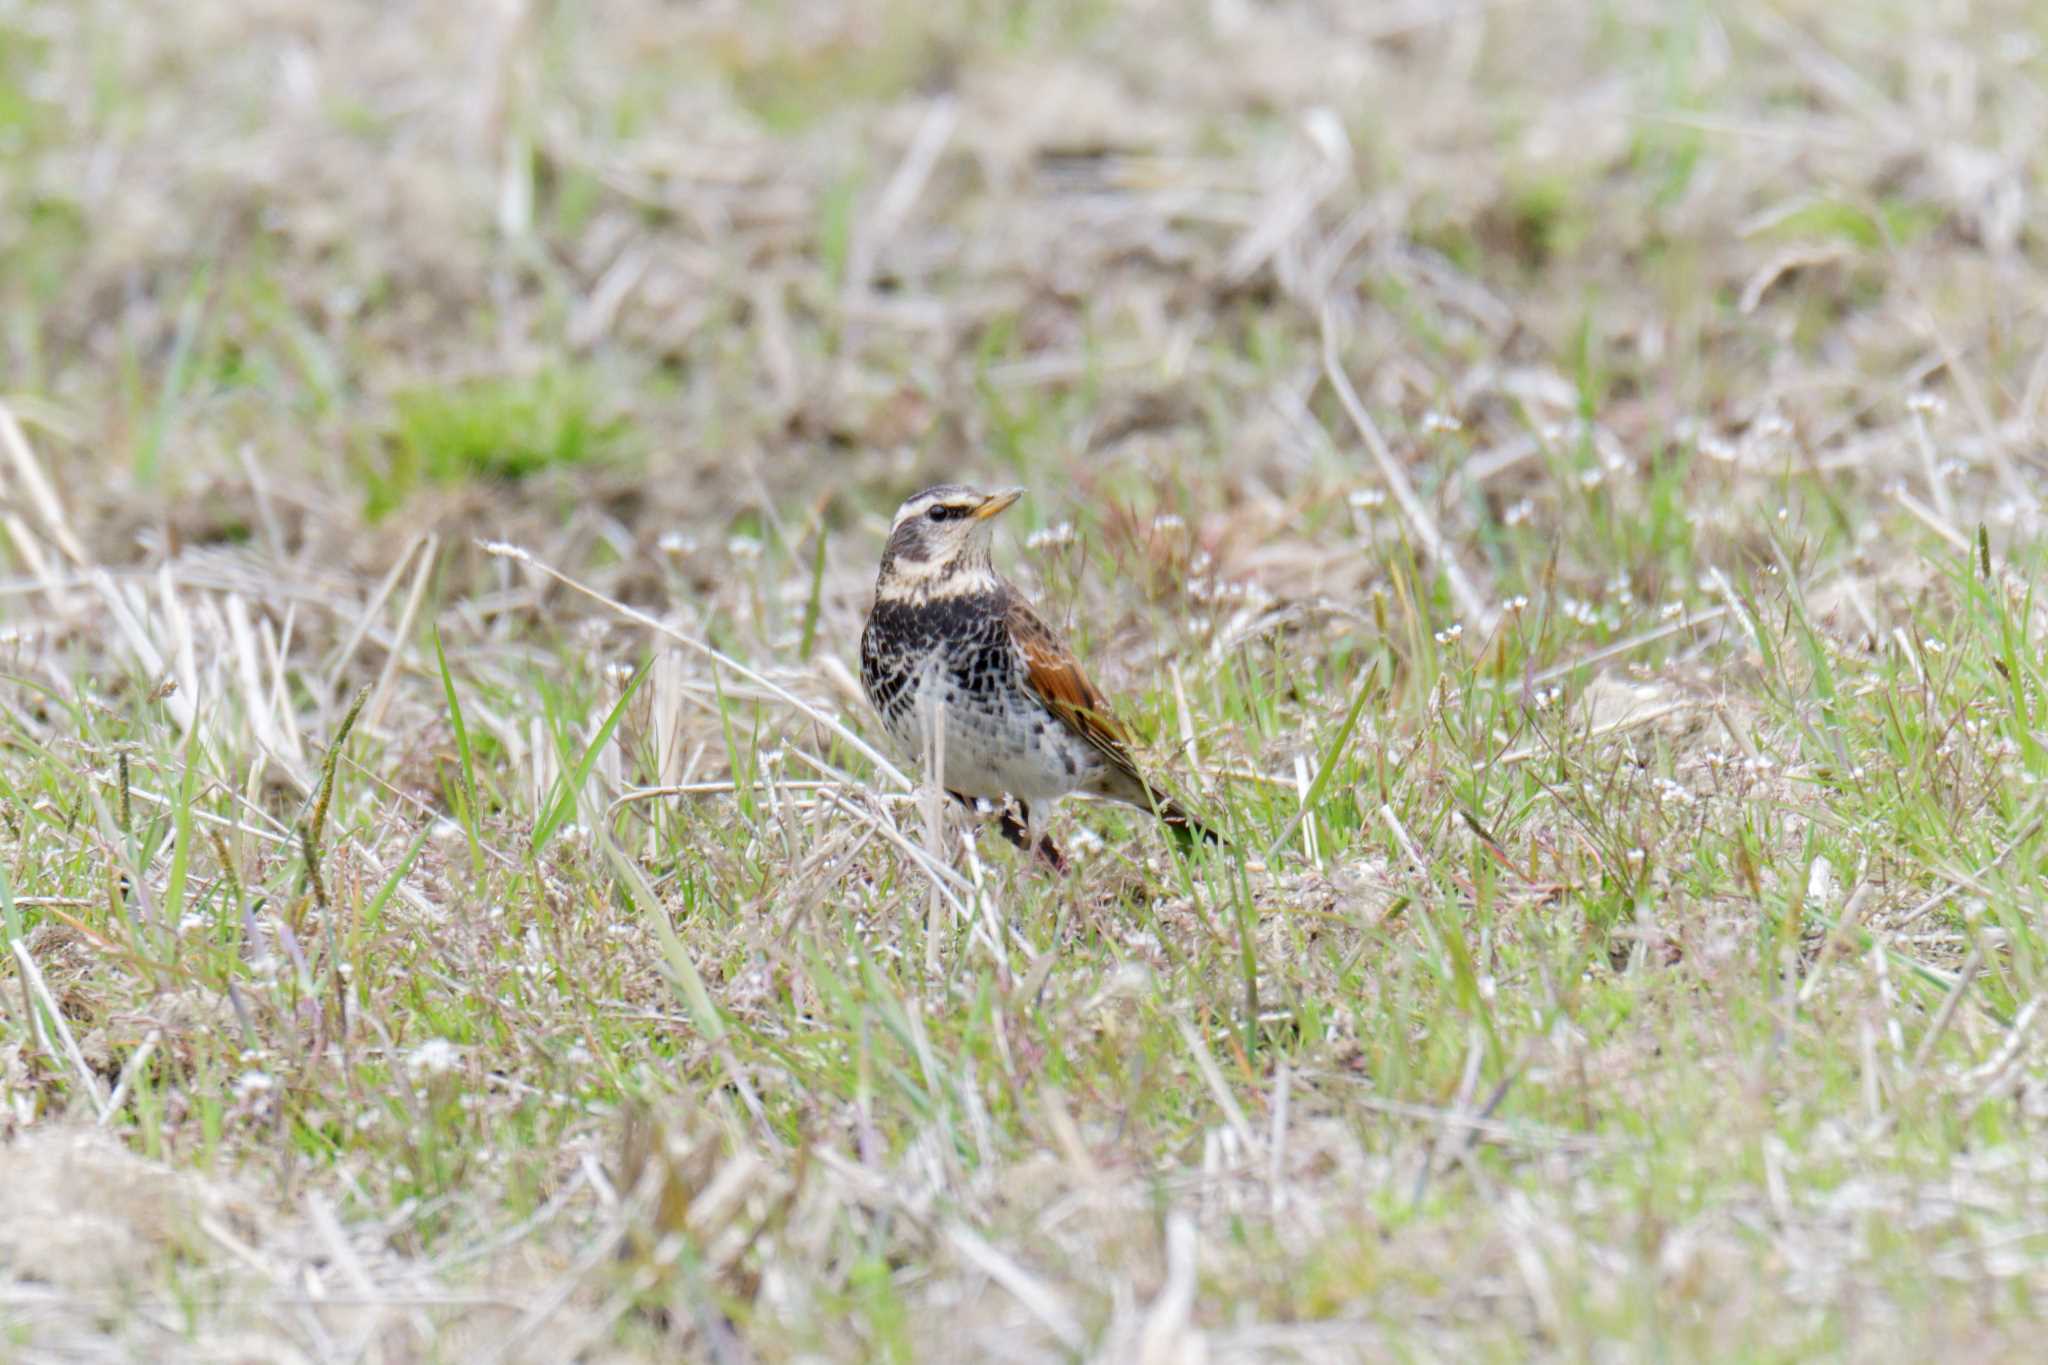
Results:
998 501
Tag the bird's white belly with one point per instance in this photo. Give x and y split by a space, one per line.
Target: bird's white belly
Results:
994 750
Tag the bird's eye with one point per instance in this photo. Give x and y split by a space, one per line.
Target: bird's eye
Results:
941 512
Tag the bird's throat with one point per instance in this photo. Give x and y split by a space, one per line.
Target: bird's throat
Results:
904 580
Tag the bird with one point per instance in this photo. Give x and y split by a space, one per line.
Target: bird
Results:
962 670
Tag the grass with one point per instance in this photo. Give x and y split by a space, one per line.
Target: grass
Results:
455 907
502 429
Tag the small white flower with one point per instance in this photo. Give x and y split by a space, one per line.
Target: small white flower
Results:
743 548
1934 646
252 1083
1450 632
1925 404
1050 537
1365 499
1167 521
1438 420
676 543
1519 512
434 1057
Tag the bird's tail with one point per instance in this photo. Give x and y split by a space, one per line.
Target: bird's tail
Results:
1129 786
1185 827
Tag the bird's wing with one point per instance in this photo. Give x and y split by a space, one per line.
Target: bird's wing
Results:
1054 676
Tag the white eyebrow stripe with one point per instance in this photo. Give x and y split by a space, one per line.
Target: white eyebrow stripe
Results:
917 507
914 508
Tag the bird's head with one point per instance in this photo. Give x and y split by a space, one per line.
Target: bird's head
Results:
939 542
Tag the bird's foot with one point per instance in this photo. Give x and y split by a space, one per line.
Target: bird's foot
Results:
1016 827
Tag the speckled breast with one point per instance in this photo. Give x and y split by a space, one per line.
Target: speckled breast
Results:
952 660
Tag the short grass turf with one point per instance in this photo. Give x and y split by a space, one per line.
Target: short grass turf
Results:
1559 484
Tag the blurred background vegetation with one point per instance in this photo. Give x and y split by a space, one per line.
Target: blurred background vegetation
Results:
410 955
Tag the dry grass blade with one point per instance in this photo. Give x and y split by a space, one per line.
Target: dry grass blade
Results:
1219 1090
32 976
137 1060
423 573
1037 1298
1972 965
1559 486
775 689
1166 1325
36 488
1471 604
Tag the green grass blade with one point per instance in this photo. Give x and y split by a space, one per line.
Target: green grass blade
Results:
463 752
814 603
569 787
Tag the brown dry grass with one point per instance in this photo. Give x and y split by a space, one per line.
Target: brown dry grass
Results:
1692 353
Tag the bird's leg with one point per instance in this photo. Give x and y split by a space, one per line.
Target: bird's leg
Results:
973 806
1016 830
1041 844
1013 829
1016 826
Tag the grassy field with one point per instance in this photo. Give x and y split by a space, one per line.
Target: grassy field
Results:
1558 483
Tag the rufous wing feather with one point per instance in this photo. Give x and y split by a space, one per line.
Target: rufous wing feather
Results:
1052 671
